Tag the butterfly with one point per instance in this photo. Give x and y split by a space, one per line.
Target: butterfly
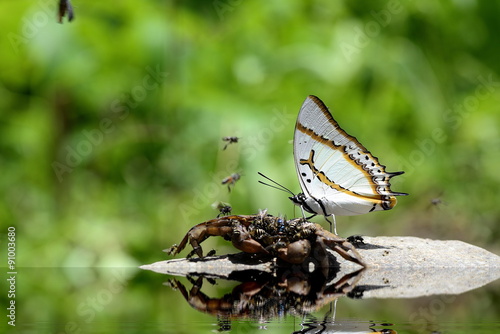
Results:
337 174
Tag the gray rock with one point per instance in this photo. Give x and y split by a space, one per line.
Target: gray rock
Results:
210 266
412 252
397 267
408 267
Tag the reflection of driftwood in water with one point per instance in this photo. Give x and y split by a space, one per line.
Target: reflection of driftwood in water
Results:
264 296
398 267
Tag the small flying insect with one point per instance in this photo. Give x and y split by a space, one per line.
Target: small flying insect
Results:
436 201
65 7
230 140
224 208
231 180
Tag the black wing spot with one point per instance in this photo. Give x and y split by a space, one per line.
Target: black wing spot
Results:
373 207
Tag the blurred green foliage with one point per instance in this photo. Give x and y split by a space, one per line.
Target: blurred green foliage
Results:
111 126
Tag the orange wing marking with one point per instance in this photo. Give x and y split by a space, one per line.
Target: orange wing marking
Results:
388 202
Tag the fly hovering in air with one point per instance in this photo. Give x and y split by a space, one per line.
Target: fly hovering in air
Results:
229 140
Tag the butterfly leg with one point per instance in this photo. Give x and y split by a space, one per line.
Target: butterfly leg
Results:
302 210
334 224
304 215
334 313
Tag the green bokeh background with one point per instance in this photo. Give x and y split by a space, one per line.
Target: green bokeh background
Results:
142 92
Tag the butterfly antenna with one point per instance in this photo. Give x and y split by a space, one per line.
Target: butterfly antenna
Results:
276 186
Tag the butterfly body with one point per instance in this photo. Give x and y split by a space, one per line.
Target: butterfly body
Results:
337 174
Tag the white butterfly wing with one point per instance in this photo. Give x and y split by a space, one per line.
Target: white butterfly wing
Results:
337 174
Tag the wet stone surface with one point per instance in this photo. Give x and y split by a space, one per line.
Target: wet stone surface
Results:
398 267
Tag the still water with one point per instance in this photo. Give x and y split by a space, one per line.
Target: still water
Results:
131 300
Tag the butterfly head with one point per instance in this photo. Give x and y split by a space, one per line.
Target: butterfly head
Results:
298 199
301 200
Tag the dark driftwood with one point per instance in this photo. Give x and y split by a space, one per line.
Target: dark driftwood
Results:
399 267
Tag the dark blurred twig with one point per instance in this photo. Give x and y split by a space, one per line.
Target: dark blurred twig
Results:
65 7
